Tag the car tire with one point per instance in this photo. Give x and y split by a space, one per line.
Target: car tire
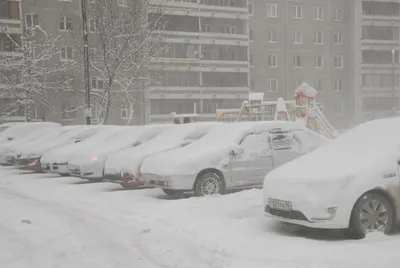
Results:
372 212
174 193
209 183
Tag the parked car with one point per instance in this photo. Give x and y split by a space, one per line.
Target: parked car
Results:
24 131
350 183
89 164
231 156
124 167
29 157
9 149
56 160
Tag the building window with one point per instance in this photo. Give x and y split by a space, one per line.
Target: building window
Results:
272 60
206 28
297 61
319 62
318 38
338 62
229 29
338 16
297 12
67 82
297 38
31 20
250 7
66 53
92 25
339 108
273 85
318 84
338 38
251 35
123 3
124 112
318 13
251 60
272 10
97 83
338 85
68 112
252 84
65 24
271 36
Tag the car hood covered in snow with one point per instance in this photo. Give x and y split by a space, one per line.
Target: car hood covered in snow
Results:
25 131
212 150
367 153
130 160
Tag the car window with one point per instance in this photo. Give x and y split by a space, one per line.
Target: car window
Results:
283 141
255 142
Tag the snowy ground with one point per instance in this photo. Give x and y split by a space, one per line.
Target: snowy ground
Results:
84 225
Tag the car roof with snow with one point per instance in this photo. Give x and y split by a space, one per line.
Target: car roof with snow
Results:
22 130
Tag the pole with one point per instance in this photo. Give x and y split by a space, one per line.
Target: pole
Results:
88 112
393 79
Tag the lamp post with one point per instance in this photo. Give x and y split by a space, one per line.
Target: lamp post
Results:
394 107
88 111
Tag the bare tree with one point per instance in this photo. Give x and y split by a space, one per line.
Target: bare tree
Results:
122 41
26 74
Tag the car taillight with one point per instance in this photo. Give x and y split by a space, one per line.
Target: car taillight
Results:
127 176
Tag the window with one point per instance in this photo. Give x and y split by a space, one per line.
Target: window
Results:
67 82
65 24
124 112
66 53
338 62
319 62
283 140
271 36
206 28
318 84
337 38
338 16
251 35
318 38
297 12
251 60
338 85
250 7
272 10
339 108
92 25
68 112
97 83
229 29
273 85
123 3
297 37
252 84
272 60
31 20
256 142
297 61
318 13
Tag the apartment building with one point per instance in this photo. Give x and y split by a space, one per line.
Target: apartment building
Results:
295 41
204 64
376 58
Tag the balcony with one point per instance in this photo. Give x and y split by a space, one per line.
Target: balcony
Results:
226 6
10 19
380 10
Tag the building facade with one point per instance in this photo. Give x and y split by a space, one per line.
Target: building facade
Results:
376 58
295 41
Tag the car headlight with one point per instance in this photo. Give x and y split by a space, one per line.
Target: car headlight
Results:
95 158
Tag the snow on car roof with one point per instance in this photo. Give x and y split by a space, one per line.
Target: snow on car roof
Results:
233 132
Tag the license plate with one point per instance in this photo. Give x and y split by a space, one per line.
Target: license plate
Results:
279 204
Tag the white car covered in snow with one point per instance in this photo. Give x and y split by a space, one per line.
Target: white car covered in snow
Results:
352 182
56 160
89 164
230 156
124 167
25 131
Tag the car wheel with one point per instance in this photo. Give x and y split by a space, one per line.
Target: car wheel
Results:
372 213
209 184
170 192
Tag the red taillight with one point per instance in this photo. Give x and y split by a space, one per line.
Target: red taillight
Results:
127 176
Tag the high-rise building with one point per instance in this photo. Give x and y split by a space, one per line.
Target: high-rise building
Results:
295 41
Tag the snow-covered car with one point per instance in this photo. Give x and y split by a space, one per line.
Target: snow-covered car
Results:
124 167
29 157
4 126
231 156
9 149
90 163
350 183
56 160
25 131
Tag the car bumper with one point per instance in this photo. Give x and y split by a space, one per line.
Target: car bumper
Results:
86 171
180 182
125 182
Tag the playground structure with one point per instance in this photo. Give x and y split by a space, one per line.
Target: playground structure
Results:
303 108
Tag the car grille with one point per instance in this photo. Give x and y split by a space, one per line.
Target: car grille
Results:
293 215
74 170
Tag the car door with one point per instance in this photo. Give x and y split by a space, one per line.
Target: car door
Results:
254 161
285 147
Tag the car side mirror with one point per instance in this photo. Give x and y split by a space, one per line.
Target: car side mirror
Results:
237 151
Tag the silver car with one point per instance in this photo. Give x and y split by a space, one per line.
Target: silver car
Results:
230 156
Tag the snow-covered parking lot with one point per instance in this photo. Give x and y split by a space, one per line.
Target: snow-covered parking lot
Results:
49 221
